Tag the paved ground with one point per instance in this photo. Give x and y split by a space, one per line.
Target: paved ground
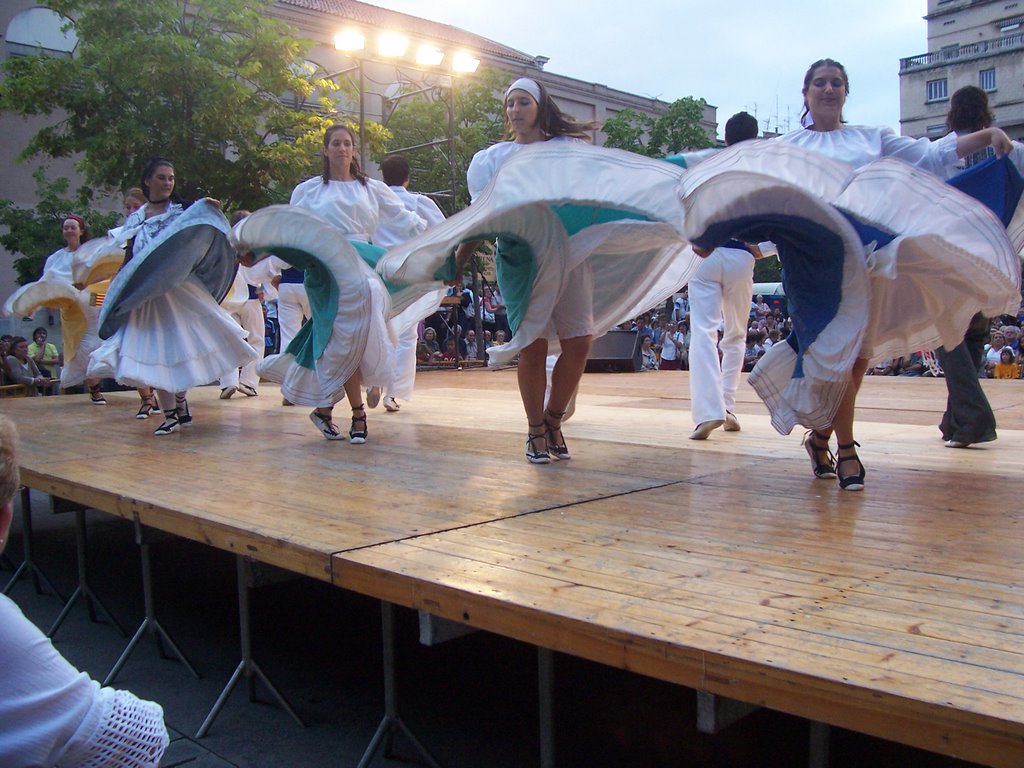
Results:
471 701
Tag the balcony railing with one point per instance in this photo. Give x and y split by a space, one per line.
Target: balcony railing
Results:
961 53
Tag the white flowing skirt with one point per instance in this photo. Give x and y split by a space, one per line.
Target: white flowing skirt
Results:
948 258
349 330
175 341
636 261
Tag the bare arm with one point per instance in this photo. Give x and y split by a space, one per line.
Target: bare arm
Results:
463 254
970 143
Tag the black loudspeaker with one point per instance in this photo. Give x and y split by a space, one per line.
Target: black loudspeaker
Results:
615 352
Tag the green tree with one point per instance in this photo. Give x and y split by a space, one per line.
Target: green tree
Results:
768 270
677 130
35 233
422 119
217 86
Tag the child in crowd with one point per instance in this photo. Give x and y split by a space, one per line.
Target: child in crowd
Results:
1007 367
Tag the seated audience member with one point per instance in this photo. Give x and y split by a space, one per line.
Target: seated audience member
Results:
46 356
888 367
50 713
1012 335
649 358
451 351
753 352
5 350
1007 367
431 344
499 337
22 369
912 365
992 351
469 346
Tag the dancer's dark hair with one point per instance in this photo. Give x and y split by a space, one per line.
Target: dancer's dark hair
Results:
148 171
969 110
554 122
740 127
395 170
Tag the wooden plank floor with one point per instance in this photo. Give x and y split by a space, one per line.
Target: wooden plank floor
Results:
720 565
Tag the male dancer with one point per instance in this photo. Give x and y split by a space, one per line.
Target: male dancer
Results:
395 170
720 293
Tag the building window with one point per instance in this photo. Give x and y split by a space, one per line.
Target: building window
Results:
987 80
39 31
937 90
937 129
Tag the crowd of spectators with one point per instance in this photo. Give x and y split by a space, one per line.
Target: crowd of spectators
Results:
1002 359
665 335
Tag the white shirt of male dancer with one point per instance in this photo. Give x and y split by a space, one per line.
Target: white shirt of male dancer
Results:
404 355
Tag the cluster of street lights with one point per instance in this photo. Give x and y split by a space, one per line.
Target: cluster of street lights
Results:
392 45
395 47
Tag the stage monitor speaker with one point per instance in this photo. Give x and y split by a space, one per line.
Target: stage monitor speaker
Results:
615 352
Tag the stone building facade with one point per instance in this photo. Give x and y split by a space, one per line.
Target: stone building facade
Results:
970 42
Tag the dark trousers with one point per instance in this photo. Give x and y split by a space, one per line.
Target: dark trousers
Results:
968 417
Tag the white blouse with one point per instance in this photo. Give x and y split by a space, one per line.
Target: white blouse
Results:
58 264
859 145
486 162
356 209
142 229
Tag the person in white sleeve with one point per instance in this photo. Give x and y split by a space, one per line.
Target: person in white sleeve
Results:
245 308
50 713
395 170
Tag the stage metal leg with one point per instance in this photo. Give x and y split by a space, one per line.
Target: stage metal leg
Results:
546 708
28 565
392 721
83 589
247 666
150 623
819 746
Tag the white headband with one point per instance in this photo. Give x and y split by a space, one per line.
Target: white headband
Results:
525 84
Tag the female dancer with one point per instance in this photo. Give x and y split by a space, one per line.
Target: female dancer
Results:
840 323
178 264
59 288
623 222
353 204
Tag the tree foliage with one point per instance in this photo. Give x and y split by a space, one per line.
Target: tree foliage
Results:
217 86
767 270
422 119
35 233
677 130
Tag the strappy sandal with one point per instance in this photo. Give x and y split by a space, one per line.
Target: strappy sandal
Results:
148 406
823 470
170 424
533 455
555 448
851 482
358 436
96 394
325 425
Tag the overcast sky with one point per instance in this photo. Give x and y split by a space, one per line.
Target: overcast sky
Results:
743 55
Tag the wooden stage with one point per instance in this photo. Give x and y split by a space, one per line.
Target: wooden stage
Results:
719 565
